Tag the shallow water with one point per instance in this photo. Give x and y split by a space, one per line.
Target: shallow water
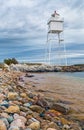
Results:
67 87
75 74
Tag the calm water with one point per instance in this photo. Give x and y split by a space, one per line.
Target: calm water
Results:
74 74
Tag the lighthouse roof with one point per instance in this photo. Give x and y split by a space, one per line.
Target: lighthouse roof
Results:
55 17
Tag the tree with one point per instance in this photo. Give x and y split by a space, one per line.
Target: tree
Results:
10 61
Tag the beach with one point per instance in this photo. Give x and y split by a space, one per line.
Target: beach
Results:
46 101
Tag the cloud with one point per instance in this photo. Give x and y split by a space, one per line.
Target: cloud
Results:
18 3
26 21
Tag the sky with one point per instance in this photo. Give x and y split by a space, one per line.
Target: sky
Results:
23 30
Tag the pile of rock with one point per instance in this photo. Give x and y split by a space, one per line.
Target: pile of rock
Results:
22 109
35 68
42 68
73 68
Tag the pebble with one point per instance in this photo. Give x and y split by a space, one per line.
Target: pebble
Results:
34 126
23 109
27 104
12 96
18 123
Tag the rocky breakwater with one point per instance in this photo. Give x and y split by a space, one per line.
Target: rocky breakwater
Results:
34 68
43 68
23 109
73 68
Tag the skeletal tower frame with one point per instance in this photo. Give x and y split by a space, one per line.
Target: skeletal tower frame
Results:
55 27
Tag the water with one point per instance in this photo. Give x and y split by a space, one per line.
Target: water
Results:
75 74
63 86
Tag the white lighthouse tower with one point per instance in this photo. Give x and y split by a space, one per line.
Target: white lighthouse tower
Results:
55 27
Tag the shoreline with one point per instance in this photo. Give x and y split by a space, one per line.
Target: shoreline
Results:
42 68
27 89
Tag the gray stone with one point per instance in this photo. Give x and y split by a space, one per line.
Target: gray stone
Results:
10 119
37 108
5 103
27 104
61 108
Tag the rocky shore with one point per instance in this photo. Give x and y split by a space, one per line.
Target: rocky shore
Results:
44 68
22 108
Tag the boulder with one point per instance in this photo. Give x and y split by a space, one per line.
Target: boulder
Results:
5 121
18 123
36 108
10 119
35 68
5 115
12 96
2 125
52 126
27 104
53 113
5 104
22 118
6 67
13 109
41 101
2 96
34 126
23 95
61 108
64 121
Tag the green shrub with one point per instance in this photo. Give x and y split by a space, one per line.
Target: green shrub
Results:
10 61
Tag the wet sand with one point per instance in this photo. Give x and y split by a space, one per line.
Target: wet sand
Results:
61 88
